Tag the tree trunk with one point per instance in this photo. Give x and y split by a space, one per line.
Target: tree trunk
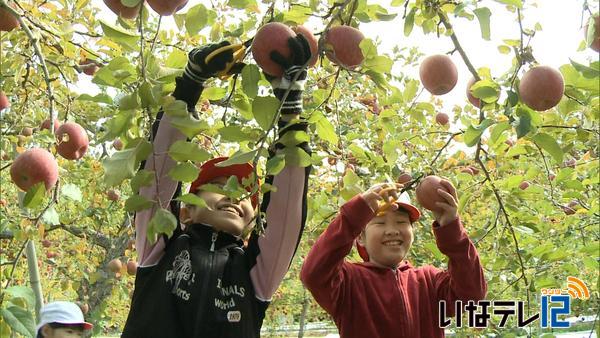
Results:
305 303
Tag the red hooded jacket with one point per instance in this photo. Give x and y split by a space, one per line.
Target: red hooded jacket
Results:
369 301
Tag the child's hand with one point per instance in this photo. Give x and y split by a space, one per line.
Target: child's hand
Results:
449 208
381 193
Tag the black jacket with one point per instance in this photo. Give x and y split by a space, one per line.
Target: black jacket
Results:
203 278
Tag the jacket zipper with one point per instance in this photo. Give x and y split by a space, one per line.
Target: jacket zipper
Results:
403 300
214 239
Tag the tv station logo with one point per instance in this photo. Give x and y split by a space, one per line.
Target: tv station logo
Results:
555 304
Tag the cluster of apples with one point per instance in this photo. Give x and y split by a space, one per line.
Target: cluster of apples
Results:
162 7
37 165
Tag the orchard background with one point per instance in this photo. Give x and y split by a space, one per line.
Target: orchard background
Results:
368 124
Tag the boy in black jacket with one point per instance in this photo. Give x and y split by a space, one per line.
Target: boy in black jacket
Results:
202 281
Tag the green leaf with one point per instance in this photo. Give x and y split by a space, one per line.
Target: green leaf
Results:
516 3
250 78
463 200
503 49
189 126
473 134
128 101
71 191
297 157
100 98
368 48
586 71
22 292
275 164
137 203
549 144
34 196
241 4
234 133
184 172
192 199
409 22
51 217
483 15
188 151
120 166
196 19
175 108
379 64
119 35
238 158
264 109
214 93
486 90
142 178
325 129
20 320
523 123
498 130
163 222
293 138
350 178
147 96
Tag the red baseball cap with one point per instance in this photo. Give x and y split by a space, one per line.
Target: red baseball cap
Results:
209 171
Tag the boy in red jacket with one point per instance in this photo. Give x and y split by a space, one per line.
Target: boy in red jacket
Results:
385 296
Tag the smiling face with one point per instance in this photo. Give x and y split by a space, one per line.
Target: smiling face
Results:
388 238
222 213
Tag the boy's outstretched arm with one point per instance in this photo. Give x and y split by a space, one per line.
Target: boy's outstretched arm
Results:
163 189
464 279
271 253
323 269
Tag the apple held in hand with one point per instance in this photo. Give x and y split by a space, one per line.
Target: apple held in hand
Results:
34 166
427 193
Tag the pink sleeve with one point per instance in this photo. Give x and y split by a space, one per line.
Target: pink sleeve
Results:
162 190
285 218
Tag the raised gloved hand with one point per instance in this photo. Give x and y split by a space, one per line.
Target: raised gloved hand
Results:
198 71
294 67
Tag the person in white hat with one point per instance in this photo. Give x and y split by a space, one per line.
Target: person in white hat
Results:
62 320
385 296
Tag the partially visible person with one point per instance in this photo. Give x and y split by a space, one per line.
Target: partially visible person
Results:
62 320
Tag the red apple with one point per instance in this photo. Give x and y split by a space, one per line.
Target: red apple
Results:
570 163
427 192
46 124
541 88
551 177
271 37
113 195
3 202
567 210
117 144
166 7
332 160
343 46
404 178
27 131
125 12
72 141
115 265
438 74
132 267
33 166
89 67
442 118
510 142
466 170
524 185
474 170
50 254
85 308
46 243
474 101
7 21
4 103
